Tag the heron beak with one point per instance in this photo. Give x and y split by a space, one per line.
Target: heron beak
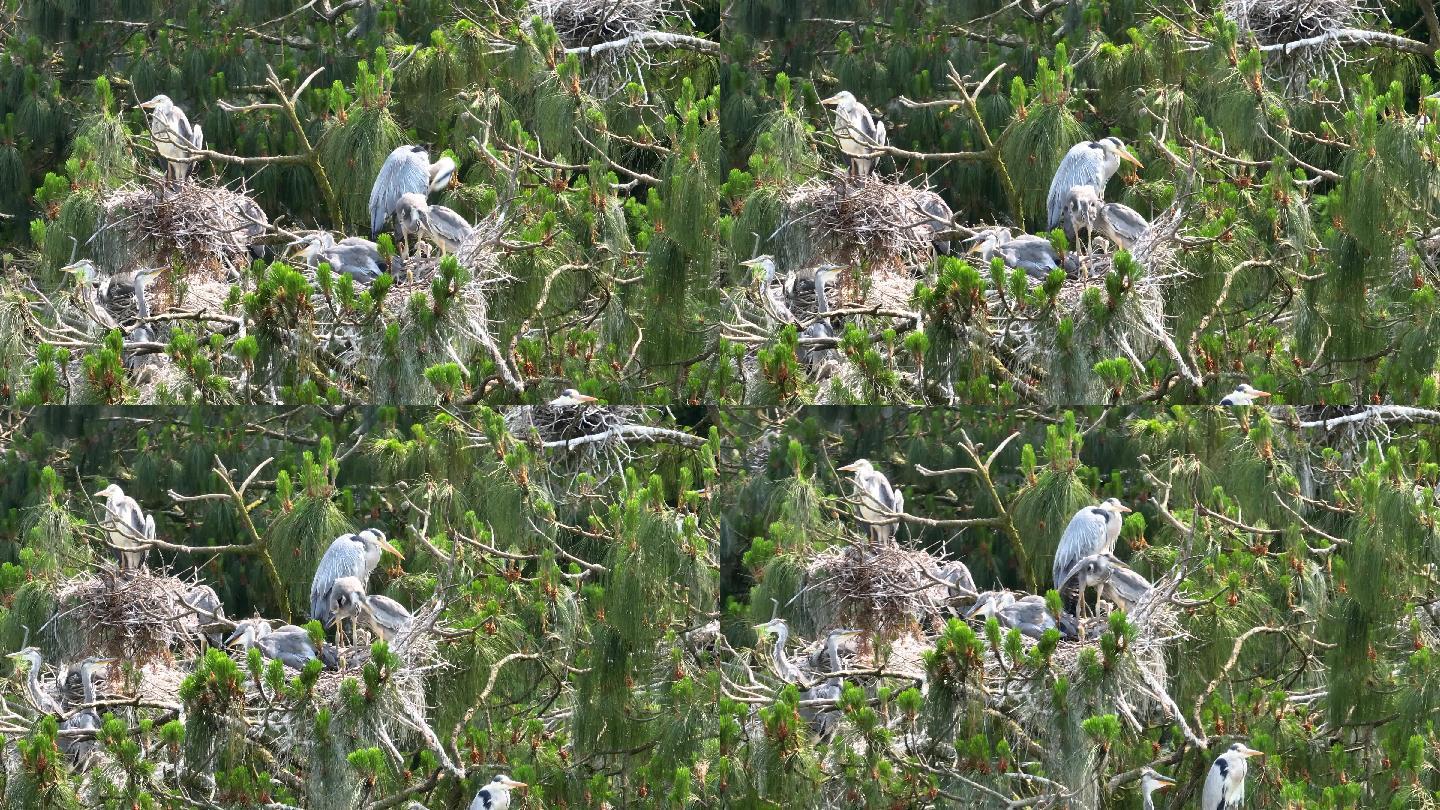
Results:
1260 393
386 545
587 398
835 99
1125 155
1164 782
1251 752
1124 508
511 783
847 468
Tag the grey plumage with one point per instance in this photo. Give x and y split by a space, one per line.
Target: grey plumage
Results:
248 633
823 360
352 256
1092 530
937 217
175 138
43 701
857 131
496 794
443 226
1088 163
350 555
784 667
209 613
1151 781
87 720
385 617
1122 225
1082 212
1225 784
1033 254
773 293
407 170
877 500
289 645
126 526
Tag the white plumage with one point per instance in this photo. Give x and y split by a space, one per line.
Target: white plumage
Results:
126 526
175 138
350 555
1243 395
859 134
1225 784
878 500
496 794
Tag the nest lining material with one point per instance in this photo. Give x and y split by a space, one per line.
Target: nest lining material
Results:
852 221
134 616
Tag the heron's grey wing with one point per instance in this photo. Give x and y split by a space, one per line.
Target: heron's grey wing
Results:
1213 796
180 130
198 139
404 171
1123 224
1082 537
1079 167
343 558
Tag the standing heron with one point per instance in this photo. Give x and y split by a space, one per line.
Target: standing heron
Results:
43 701
833 687
1243 395
346 600
1225 784
85 720
1092 530
126 526
1033 254
1122 225
496 795
822 359
879 501
1151 781
1090 572
1089 163
175 139
774 294
352 256
1082 213
407 170
385 617
350 555
1124 588
209 613
859 134
414 216
570 398
957 576
784 667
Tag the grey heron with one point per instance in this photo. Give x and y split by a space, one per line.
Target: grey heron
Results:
1122 225
1033 254
289 645
352 256
939 218
957 574
1088 163
496 794
141 334
859 134
1030 614
1090 572
784 667
1243 395
1124 587
1092 530
570 398
248 633
831 688
822 359
822 659
346 600
209 613
407 170
1151 781
126 526
1081 216
414 216
85 720
43 701
349 555
175 139
1225 784
990 603
878 500
385 617
774 295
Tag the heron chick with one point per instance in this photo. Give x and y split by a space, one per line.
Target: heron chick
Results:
1088 163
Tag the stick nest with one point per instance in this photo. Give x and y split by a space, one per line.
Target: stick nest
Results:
879 587
580 23
135 616
852 221
1276 22
208 228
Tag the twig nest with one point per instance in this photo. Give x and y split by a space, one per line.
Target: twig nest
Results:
590 22
860 221
1281 22
131 615
205 228
879 587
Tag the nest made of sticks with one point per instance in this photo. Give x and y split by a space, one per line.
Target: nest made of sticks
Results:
131 615
209 228
854 221
590 22
880 587
1282 22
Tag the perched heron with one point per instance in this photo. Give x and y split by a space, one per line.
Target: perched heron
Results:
1122 225
43 701
1081 216
126 526
1124 587
1092 530
352 256
1091 572
1030 615
385 617
990 603
407 170
346 600
1243 395
350 555
1225 784
774 294
570 398
142 334
414 216
878 500
938 218
496 795
209 613
248 633
822 358
1089 163
1033 254
957 574
85 720
1151 781
833 687
859 134
784 667
821 659
290 645
175 139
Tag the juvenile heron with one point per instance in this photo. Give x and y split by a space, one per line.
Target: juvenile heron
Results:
1033 254
43 701
495 795
774 294
346 600
1225 784
833 687
1088 163
1243 395
937 217
1091 572
859 134
990 603
878 500
1082 213
1030 615
407 170
1092 530
352 256
957 574
85 720
385 617
1122 225
175 139
248 633
289 645
350 555
126 526
784 667
414 216
1151 781
1124 587
209 613
570 398
821 358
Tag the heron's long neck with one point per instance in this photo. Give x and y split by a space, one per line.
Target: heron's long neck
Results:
87 681
1149 801
832 647
822 301
782 661
36 693
142 308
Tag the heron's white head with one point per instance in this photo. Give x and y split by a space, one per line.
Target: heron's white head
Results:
765 262
1114 505
1152 780
859 465
1244 750
112 491
31 654
826 270
571 396
442 174
375 542
775 625
89 664
844 98
1116 150
843 633
159 102
1247 390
